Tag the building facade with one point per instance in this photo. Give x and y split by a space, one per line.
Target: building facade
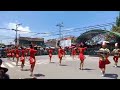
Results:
26 41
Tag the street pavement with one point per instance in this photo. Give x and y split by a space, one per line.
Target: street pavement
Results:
68 70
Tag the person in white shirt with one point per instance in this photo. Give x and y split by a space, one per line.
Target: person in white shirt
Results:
103 60
116 53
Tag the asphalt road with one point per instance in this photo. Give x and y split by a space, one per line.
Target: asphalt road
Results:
68 70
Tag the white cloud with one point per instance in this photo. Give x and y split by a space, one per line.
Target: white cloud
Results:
23 30
8 36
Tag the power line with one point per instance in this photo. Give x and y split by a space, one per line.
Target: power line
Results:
60 25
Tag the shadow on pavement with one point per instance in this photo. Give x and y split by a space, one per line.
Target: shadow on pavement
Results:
39 75
26 70
111 76
63 65
52 62
18 65
30 78
118 66
93 56
88 69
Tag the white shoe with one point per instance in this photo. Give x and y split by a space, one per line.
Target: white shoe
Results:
102 75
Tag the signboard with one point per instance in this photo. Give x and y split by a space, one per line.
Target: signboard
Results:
65 43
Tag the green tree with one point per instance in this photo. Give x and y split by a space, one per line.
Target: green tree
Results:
116 27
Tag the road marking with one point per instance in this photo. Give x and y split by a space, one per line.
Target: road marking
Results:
42 62
2 65
13 63
9 65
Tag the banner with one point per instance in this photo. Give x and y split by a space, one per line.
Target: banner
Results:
65 43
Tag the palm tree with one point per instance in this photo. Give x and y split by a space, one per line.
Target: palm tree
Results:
116 27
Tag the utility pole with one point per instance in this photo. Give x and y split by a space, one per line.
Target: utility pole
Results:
16 30
60 25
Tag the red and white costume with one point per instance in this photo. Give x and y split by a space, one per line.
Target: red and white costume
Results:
105 54
60 52
73 52
81 55
8 52
32 56
22 58
116 53
13 53
50 51
17 52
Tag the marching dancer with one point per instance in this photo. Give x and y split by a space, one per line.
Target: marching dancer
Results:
8 51
32 59
73 53
81 55
17 53
60 54
50 51
13 53
116 53
104 54
22 58
26 52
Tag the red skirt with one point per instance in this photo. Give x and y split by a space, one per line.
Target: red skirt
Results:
13 54
60 55
22 59
82 57
32 60
17 56
107 61
9 54
115 58
50 55
73 53
102 64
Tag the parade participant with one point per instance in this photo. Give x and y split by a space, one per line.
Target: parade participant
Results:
81 50
60 54
8 53
116 53
13 53
50 51
26 52
17 53
73 52
64 52
22 58
32 59
104 53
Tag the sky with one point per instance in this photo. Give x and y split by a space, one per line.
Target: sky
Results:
46 21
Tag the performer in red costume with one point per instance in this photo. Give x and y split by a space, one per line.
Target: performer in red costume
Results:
104 54
8 53
26 52
17 53
81 55
73 52
64 52
13 53
22 58
32 59
116 53
50 51
60 54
